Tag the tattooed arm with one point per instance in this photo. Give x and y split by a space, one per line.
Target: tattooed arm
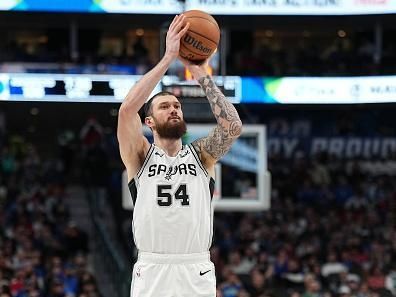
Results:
229 125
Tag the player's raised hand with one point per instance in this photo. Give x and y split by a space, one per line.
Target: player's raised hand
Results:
176 30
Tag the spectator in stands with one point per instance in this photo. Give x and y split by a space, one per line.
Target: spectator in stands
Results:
232 285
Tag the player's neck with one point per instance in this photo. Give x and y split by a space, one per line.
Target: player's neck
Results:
170 146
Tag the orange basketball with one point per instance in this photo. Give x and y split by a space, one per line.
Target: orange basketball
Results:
202 37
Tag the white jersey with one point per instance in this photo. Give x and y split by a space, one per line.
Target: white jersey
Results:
173 211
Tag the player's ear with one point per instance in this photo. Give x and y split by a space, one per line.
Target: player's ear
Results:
148 121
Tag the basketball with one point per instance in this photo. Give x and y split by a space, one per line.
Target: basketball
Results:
202 37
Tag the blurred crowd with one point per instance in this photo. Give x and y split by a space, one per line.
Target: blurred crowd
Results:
250 53
312 57
331 231
40 58
42 251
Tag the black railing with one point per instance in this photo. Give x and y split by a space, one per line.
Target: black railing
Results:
107 258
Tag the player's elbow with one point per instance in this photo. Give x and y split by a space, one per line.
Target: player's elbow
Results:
125 109
128 108
236 128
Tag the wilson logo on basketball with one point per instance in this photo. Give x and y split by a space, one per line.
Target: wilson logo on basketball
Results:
196 43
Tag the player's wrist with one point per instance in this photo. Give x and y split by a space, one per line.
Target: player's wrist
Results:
169 57
198 72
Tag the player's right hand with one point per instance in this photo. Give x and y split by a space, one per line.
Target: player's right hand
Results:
197 70
176 30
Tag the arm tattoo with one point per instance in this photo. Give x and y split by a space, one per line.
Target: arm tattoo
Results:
229 126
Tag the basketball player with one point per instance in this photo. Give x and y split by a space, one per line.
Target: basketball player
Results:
172 184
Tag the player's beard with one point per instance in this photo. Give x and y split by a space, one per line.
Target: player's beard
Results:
171 130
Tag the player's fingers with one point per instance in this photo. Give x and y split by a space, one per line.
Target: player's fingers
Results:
173 22
176 21
180 22
183 31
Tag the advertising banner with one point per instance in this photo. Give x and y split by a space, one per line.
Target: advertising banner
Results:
319 90
342 147
293 7
285 90
92 6
220 7
66 87
8 4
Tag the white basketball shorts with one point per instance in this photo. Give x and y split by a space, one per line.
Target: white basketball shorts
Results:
173 275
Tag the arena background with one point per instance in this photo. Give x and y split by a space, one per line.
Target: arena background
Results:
320 75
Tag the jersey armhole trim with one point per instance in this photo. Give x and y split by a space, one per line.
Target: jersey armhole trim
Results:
146 159
211 187
133 190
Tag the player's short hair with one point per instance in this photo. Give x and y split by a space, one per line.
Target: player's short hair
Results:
148 105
